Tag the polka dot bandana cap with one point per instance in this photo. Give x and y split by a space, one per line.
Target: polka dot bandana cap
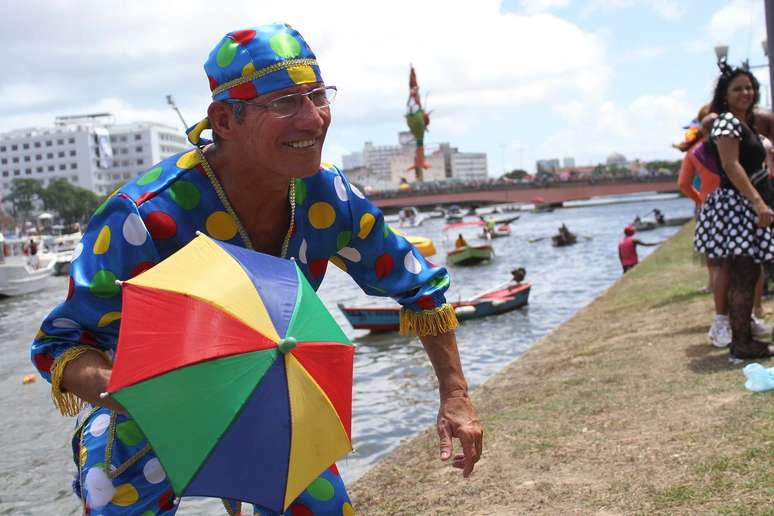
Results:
252 62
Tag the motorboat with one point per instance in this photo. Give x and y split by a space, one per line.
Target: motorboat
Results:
62 246
410 217
22 272
454 214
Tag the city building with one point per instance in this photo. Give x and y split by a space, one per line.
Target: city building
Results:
383 167
90 151
568 162
547 165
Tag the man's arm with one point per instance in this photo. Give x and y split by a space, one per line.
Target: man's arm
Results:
456 415
87 377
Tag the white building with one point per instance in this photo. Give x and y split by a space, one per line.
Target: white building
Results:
89 151
469 166
381 167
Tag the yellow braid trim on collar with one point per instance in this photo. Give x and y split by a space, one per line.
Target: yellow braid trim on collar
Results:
276 67
68 403
428 322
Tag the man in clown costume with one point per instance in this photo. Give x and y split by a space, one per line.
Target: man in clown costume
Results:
260 185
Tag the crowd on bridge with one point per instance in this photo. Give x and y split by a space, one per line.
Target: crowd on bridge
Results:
541 181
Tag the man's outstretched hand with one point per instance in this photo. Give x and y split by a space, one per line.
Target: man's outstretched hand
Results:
457 419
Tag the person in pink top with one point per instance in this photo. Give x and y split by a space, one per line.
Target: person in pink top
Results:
627 249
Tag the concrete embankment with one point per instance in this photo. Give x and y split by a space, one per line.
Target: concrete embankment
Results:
624 409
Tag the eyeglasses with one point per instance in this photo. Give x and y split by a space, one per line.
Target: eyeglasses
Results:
289 105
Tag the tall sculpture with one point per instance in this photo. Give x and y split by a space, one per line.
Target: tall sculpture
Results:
417 120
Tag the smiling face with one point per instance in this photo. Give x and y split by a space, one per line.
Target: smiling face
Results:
740 94
283 147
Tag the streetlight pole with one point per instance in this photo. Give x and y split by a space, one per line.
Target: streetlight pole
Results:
171 102
769 4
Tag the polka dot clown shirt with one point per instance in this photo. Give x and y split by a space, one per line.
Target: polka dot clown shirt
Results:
150 218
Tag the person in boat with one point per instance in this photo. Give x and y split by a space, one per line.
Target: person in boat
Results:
34 259
260 184
659 216
565 235
627 249
460 242
518 275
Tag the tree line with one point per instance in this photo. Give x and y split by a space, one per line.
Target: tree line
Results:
72 203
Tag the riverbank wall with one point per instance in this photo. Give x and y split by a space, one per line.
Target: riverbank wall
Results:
624 409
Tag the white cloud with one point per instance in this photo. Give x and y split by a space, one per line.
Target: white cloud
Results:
667 9
644 128
730 19
645 53
540 6
470 58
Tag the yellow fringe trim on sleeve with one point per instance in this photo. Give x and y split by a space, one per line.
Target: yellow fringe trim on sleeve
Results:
68 403
429 322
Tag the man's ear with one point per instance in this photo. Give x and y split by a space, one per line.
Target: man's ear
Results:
221 119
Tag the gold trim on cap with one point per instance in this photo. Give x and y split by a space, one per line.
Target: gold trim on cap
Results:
276 67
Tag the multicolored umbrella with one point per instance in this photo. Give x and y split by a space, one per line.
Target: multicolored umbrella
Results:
237 374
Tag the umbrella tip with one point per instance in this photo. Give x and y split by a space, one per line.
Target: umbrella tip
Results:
287 344
119 282
199 233
103 395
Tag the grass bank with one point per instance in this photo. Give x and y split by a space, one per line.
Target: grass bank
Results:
624 409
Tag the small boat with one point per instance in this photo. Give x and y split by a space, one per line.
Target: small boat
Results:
542 208
384 319
560 241
425 246
62 246
454 214
22 274
505 220
650 224
470 255
410 217
501 230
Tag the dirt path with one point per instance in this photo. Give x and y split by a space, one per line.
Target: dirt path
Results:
624 409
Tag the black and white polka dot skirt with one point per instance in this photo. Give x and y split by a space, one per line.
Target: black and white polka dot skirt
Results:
728 227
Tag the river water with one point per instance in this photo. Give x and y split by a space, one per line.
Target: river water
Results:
394 395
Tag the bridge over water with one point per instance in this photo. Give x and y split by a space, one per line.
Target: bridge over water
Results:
553 193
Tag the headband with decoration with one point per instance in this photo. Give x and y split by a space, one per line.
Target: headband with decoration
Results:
253 62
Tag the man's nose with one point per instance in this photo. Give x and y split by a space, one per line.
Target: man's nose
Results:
309 115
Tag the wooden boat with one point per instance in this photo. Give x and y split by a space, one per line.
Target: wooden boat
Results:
424 245
559 241
384 319
650 224
506 220
470 255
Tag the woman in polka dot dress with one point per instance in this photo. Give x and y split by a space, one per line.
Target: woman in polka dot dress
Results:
260 185
735 222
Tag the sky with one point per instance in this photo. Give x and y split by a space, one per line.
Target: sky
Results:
518 79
